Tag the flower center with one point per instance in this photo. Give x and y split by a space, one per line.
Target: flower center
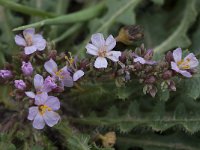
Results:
59 74
39 92
28 39
43 108
184 64
102 51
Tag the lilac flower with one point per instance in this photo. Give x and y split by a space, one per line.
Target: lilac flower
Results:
102 49
5 74
183 66
62 75
41 92
44 112
77 75
20 84
30 41
27 68
49 84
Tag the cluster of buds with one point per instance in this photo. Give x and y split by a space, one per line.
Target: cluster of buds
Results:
44 74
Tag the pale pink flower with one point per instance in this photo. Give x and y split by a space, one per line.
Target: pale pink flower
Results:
30 41
183 66
44 112
102 49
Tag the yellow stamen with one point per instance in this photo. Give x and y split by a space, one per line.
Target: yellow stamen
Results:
43 108
184 64
70 59
59 74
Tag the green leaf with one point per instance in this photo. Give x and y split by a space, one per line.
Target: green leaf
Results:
149 141
159 2
75 17
25 9
158 120
191 87
79 142
179 37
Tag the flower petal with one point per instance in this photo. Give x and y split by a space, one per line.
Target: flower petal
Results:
30 31
51 118
193 62
38 122
91 49
150 62
38 82
33 111
98 40
51 66
114 55
29 50
40 99
177 54
174 66
101 62
110 42
53 103
77 75
30 94
68 81
39 42
185 73
140 60
20 40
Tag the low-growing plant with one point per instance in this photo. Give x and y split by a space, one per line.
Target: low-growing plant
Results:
109 92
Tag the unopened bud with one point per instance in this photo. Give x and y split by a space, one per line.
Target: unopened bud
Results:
108 140
129 34
20 84
52 54
150 80
167 74
169 57
138 66
27 68
5 74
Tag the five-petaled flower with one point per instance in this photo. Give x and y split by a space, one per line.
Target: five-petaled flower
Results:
102 49
183 66
44 112
30 41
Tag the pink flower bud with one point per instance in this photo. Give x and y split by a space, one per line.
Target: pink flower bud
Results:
5 74
27 68
20 84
